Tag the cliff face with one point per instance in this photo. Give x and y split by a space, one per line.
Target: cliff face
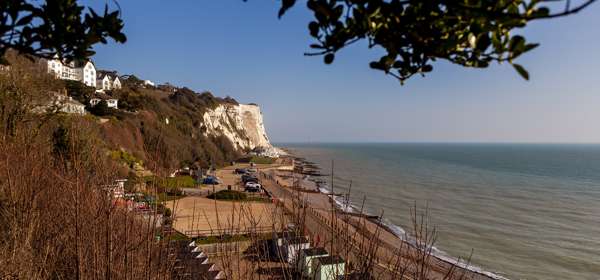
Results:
242 124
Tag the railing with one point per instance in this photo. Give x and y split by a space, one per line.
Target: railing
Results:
227 231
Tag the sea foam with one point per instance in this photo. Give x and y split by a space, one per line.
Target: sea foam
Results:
346 205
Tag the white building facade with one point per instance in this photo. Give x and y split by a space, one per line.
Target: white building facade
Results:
61 103
328 268
110 103
108 81
82 71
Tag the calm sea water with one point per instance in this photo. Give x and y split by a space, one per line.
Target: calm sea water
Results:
527 211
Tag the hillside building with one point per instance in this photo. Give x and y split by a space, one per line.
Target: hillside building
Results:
108 80
82 71
60 103
110 102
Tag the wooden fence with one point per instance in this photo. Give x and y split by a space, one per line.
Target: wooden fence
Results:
227 231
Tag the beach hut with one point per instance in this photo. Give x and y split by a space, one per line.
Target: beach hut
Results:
278 241
328 267
293 246
306 257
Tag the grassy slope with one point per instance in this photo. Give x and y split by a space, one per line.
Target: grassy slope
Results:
143 131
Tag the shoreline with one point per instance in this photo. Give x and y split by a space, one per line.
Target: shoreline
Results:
346 206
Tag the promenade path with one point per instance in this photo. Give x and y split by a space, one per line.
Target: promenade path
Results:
354 237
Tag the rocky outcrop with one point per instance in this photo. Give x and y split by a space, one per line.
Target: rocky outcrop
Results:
242 124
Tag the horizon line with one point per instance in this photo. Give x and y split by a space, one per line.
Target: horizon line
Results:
435 142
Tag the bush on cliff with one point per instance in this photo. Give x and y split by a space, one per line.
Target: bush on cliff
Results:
79 91
101 109
228 195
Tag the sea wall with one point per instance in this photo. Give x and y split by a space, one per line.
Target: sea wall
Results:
242 124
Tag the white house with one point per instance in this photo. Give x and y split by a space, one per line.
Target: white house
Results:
61 103
116 83
328 268
71 106
107 80
82 71
110 102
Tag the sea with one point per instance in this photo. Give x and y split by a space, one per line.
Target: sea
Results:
518 211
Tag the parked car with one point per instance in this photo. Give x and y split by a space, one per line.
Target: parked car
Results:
249 178
252 190
211 180
240 171
252 187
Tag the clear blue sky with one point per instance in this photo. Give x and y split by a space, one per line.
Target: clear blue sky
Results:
242 50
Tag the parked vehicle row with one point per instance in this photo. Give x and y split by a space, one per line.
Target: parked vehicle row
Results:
245 170
249 179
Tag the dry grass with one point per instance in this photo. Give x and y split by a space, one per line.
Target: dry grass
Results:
199 215
57 221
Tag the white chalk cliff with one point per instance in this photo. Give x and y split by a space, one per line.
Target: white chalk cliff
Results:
242 124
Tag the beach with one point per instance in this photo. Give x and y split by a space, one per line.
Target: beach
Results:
288 187
520 211
329 225
479 210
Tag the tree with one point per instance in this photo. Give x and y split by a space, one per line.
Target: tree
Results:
55 27
132 81
101 109
80 91
415 33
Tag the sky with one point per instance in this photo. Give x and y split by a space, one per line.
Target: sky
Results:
241 49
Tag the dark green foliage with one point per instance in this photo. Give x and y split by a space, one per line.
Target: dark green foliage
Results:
79 91
61 142
414 34
63 27
228 195
132 81
101 109
190 99
181 182
71 139
180 141
229 238
230 100
261 160
130 98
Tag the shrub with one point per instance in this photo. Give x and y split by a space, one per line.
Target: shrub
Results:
101 109
79 91
228 195
125 157
261 160
181 182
